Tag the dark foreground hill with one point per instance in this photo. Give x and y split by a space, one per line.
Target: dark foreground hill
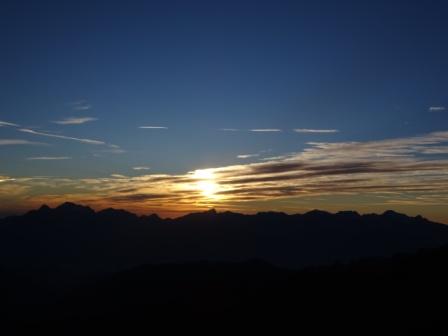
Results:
402 295
73 271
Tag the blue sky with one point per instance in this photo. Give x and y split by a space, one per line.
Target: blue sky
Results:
364 70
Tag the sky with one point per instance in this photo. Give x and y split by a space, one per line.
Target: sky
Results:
178 106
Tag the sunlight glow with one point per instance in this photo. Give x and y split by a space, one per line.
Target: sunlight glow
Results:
203 174
206 182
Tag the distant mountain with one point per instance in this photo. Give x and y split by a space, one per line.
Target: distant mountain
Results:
75 239
85 269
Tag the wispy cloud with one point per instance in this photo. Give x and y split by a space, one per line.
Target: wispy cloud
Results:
113 149
437 108
4 123
49 158
80 105
5 179
118 176
266 130
74 120
275 158
83 107
141 168
153 127
384 171
247 156
13 142
229 129
58 136
308 130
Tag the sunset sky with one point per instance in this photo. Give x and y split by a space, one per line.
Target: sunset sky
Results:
179 106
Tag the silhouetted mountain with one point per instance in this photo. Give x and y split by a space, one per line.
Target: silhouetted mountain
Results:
74 238
220 268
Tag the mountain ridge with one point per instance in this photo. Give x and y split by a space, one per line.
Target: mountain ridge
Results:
72 236
69 208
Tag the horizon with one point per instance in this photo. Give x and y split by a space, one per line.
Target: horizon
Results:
96 210
171 107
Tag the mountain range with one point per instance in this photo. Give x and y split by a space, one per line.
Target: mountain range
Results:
70 270
75 239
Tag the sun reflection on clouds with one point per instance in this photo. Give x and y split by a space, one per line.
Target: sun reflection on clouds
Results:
206 183
376 169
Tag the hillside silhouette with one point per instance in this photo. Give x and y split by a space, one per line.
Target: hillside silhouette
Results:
400 295
70 269
75 238
70 232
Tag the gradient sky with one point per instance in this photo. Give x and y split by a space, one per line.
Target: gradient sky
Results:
291 105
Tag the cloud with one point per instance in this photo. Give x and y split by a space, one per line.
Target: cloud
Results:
111 150
119 176
307 130
437 108
114 151
247 156
229 129
139 197
4 123
275 158
379 172
49 158
435 150
13 142
153 127
74 120
141 168
5 179
80 105
265 130
87 141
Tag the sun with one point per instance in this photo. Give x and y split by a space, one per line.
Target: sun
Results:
206 183
208 188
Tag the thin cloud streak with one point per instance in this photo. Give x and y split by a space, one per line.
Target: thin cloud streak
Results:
14 142
5 123
49 158
153 127
307 130
74 120
57 136
247 156
80 105
266 130
141 168
437 108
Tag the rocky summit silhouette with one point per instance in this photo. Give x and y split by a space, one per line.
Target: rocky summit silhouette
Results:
74 238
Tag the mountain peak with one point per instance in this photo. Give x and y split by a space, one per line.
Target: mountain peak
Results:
44 207
348 213
153 216
68 205
317 212
73 208
211 211
393 213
